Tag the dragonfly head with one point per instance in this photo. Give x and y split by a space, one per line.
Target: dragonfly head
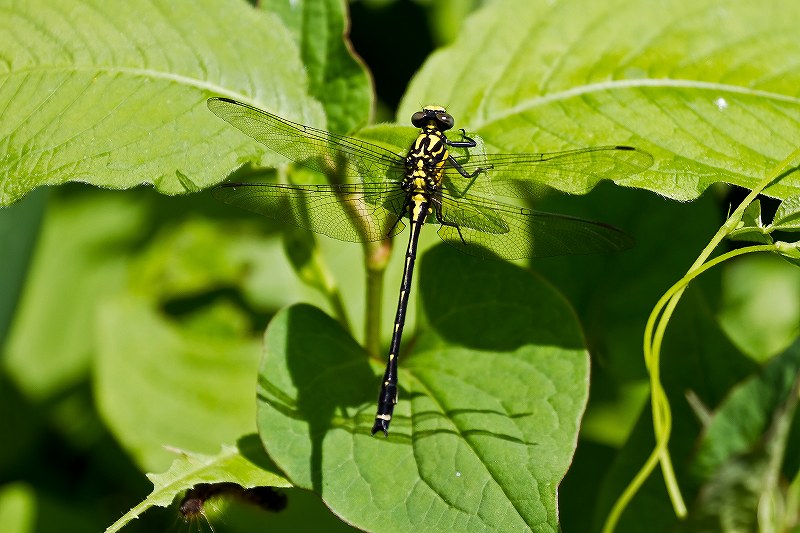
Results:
433 114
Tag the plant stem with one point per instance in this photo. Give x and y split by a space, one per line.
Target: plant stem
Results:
376 258
335 299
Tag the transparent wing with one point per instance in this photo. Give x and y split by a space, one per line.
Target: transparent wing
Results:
521 175
356 212
491 229
333 155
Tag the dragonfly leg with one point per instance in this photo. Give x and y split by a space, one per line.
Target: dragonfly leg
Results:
471 177
443 222
394 225
402 210
466 142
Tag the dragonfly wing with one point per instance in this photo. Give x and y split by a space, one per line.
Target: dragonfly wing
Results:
333 155
485 228
349 212
523 175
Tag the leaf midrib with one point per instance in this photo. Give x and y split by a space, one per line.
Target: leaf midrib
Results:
634 83
137 72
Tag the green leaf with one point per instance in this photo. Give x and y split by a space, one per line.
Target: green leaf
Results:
114 94
751 228
790 251
159 384
491 398
17 508
709 92
177 349
746 414
759 309
742 451
337 77
787 217
19 228
245 464
80 257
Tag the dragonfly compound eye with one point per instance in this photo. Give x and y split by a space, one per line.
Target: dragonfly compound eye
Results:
418 119
445 120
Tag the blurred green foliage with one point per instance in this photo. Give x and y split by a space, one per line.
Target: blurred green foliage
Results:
132 321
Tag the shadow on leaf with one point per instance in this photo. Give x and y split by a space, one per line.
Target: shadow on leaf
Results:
492 305
329 376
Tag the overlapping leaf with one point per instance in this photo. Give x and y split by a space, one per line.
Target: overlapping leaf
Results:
709 90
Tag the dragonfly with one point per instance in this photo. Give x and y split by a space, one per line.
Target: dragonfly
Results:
374 192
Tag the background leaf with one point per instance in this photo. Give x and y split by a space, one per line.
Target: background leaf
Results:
508 391
17 508
88 234
142 356
759 310
787 217
746 414
741 454
709 90
180 343
337 78
19 229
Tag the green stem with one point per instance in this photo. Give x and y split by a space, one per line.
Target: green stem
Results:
335 299
662 416
303 252
376 258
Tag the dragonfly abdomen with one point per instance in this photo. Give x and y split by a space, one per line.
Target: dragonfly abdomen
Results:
387 398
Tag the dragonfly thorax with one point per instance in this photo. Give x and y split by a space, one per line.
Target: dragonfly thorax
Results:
425 161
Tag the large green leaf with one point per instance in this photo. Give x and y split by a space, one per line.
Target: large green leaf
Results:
114 94
709 90
491 397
